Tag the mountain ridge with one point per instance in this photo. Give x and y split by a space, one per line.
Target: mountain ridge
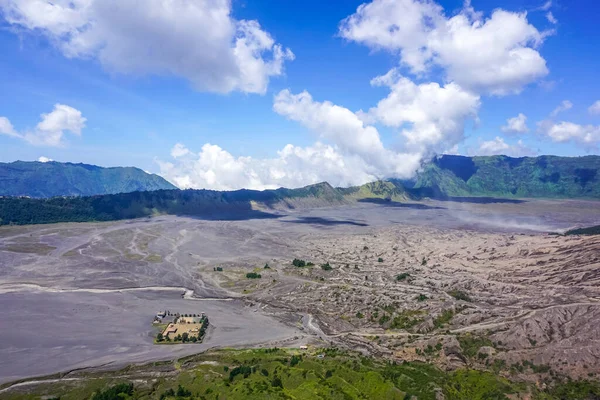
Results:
49 179
446 177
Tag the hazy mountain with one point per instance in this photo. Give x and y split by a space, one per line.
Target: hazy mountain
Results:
446 176
49 179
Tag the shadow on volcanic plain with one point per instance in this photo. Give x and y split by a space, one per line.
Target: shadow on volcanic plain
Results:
325 221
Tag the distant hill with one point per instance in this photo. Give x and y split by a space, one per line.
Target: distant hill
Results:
208 204
501 176
49 179
446 177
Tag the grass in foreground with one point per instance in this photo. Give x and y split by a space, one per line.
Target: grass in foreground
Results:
290 374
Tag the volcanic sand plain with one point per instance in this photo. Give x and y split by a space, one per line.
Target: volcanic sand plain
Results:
84 295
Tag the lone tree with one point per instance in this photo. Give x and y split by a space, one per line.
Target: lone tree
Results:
159 337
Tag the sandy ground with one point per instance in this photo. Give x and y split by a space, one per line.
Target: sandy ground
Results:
70 293
45 332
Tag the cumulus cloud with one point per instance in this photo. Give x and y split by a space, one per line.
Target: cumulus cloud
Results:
564 106
550 17
497 55
516 124
346 131
587 136
43 159
594 109
432 117
216 168
498 146
196 40
50 131
349 150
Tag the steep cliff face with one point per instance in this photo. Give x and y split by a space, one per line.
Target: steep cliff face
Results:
501 176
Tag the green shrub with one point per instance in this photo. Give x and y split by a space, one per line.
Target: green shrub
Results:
403 276
406 319
114 392
459 295
253 275
444 318
326 267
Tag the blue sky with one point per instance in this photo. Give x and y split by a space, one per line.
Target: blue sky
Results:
118 90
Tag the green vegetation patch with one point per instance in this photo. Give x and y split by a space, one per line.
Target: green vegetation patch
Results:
444 318
326 267
301 263
592 230
470 344
460 295
406 319
291 374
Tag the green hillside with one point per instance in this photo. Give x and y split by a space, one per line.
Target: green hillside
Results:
201 203
49 179
325 374
501 176
445 177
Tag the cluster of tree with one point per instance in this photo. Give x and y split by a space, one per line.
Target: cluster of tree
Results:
203 328
181 392
219 269
118 391
295 360
241 370
186 338
253 275
301 263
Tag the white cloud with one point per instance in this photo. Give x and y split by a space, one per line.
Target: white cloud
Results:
498 146
564 106
215 168
550 17
516 124
349 150
435 114
43 159
50 131
6 127
594 109
497 55
196 40
179 150
547 5
587 136
347 132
